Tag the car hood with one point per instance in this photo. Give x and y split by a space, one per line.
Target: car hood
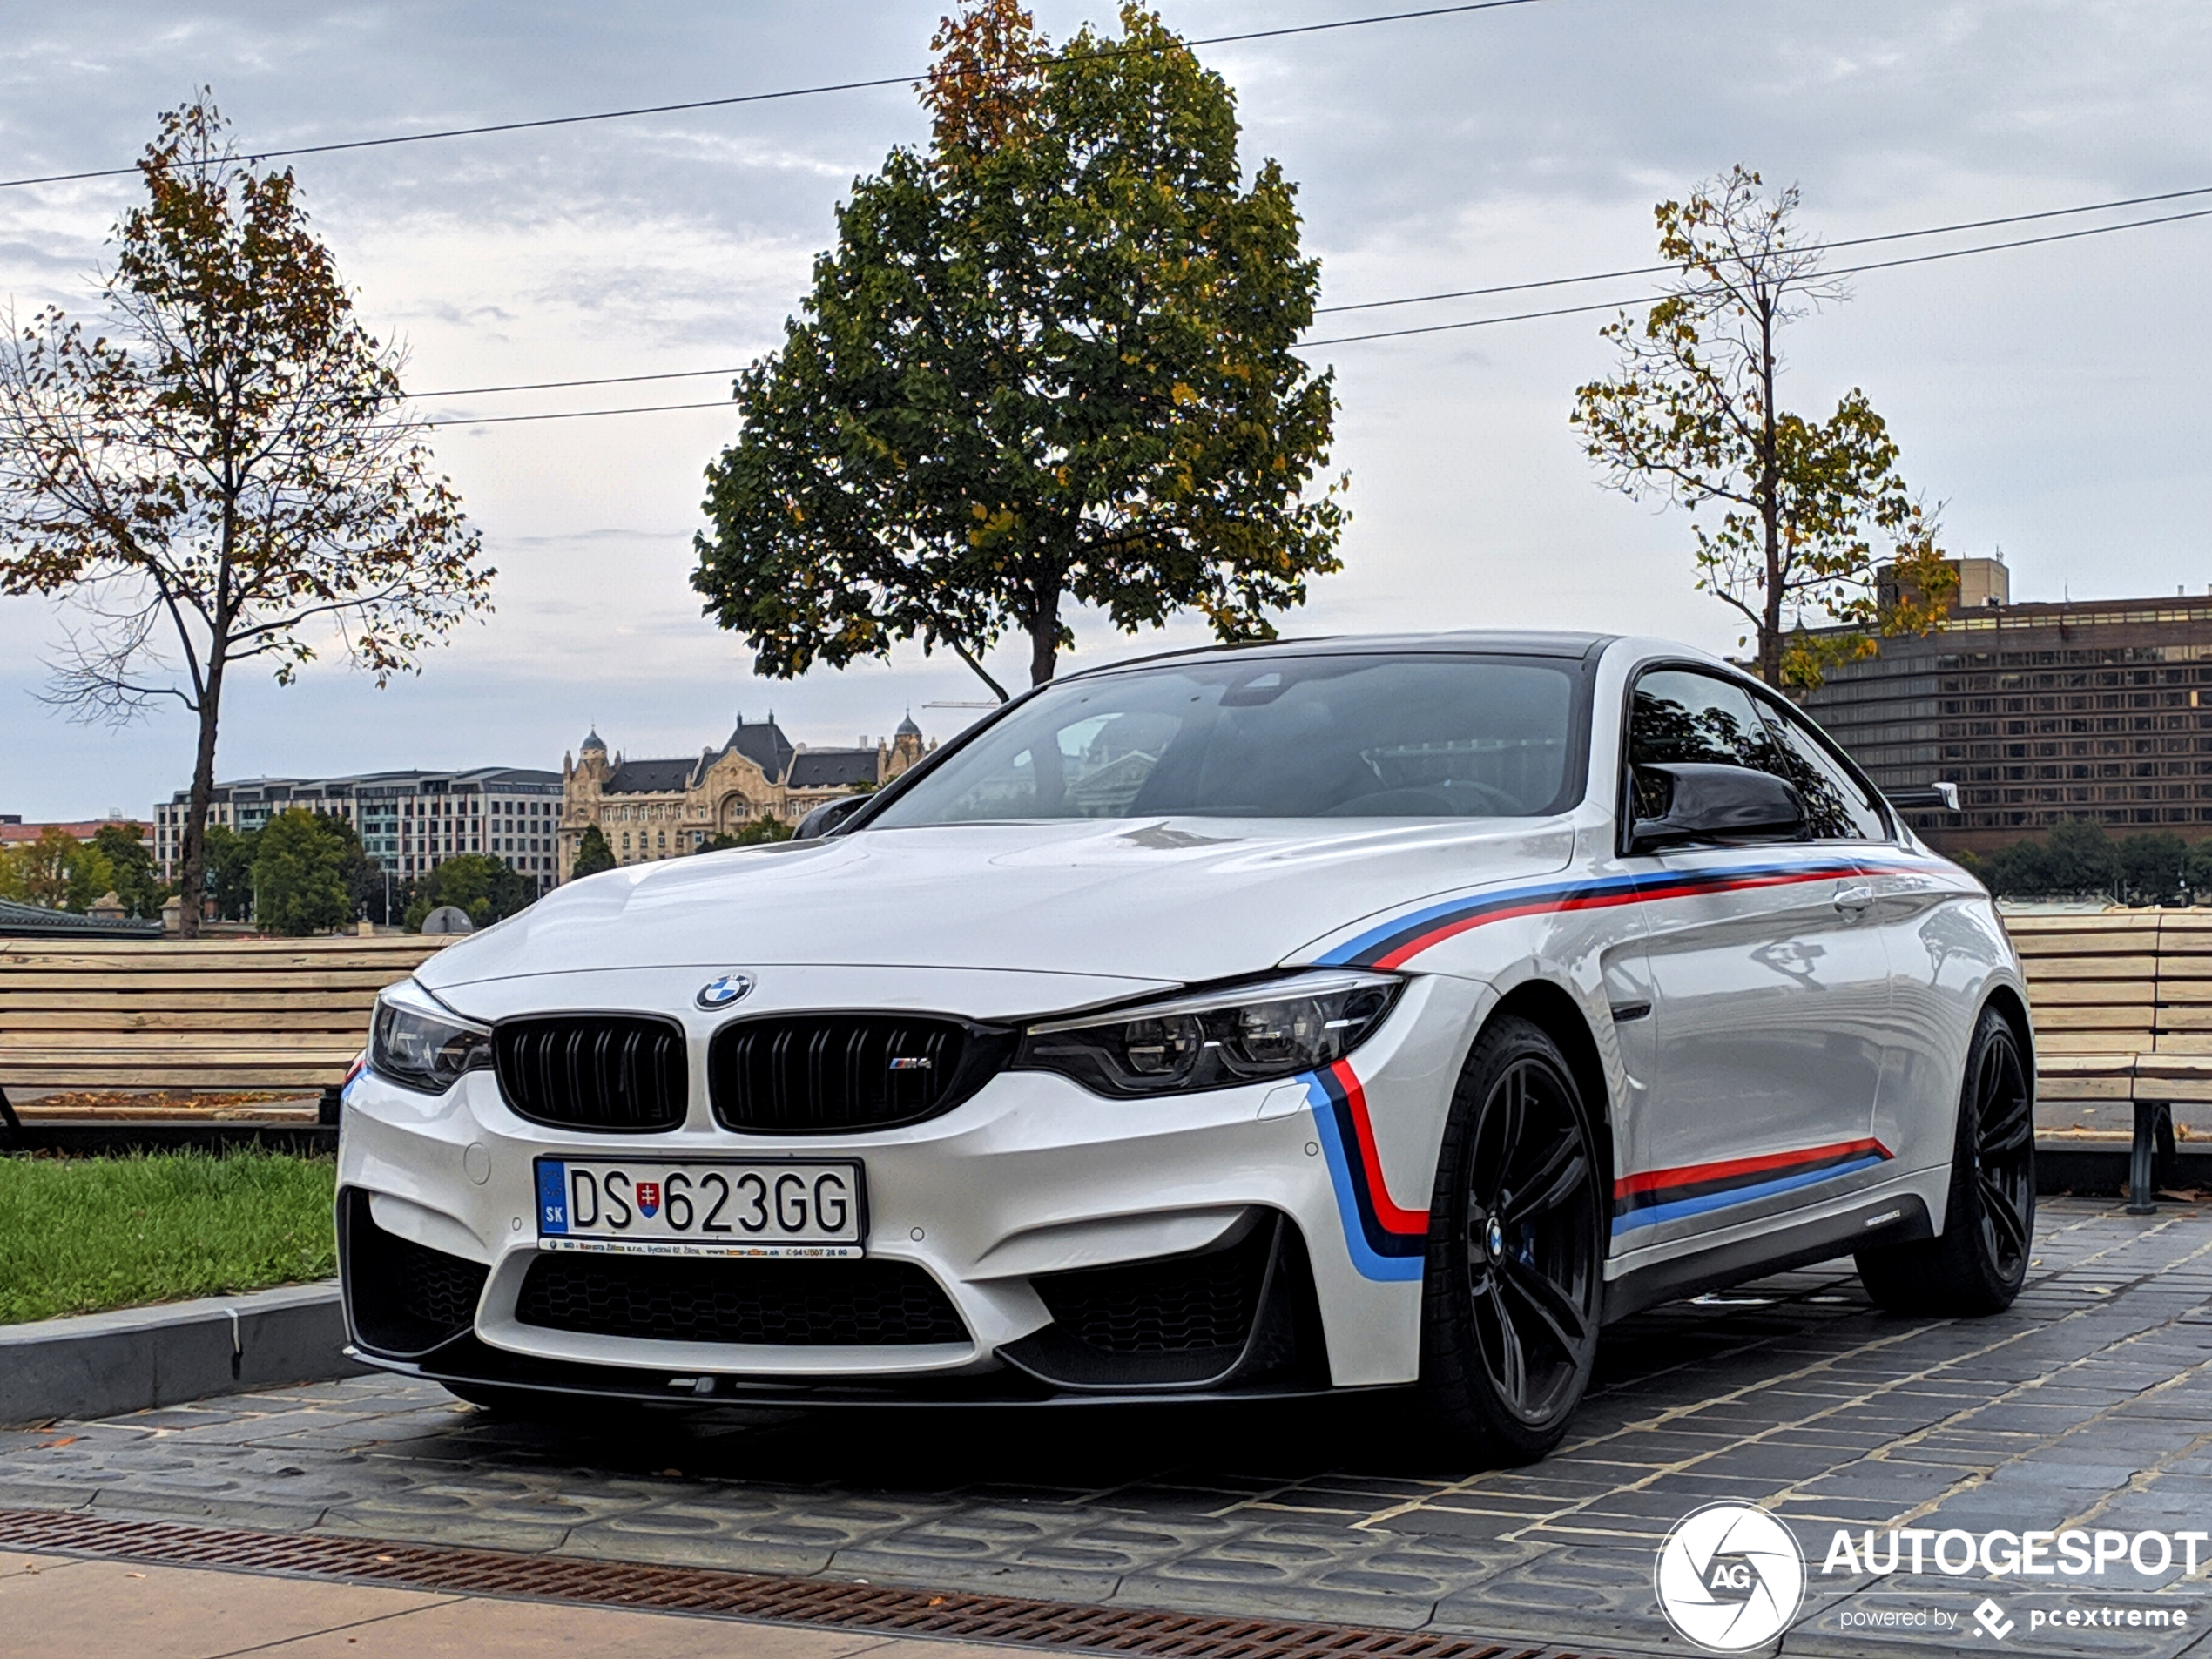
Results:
1170 900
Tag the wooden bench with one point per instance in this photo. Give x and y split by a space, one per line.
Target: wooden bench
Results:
2123 1012
242 1015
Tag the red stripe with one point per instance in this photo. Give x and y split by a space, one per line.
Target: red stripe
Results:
1393 1218
1690 1174
1437 935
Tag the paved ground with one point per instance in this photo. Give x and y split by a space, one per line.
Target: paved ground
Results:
61 1607
2089 1405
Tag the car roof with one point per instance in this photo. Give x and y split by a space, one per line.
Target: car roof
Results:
1497 642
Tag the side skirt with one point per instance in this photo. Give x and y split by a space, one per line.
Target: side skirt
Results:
1894 1218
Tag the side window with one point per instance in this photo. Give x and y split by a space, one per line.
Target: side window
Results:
1837 806
1677 714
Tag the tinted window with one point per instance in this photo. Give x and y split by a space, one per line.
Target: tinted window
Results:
1306 737
1837 806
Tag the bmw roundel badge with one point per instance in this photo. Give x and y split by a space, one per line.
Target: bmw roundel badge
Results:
720 993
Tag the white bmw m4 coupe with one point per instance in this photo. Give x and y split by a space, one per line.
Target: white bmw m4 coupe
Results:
1345 1015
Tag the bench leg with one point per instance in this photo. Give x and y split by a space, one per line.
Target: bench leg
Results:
8 1116
2154 1135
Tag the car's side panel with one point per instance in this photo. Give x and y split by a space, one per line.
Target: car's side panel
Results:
1947 952
1772 1009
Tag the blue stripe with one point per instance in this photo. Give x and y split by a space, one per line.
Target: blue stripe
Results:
1334 1152
1706 1202
1501 898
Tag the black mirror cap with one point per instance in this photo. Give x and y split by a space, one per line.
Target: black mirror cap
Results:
1711 803
827 817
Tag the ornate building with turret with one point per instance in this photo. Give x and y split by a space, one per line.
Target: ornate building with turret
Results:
662 809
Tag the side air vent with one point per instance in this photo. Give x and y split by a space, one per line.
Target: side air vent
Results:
405 1298
813 1074
626 1073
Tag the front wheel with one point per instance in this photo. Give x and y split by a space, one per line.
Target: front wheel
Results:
1978 1263
1515 1253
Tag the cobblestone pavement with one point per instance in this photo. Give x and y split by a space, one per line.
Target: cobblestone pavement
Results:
2089 1405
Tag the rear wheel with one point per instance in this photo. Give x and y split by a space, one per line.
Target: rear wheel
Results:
1516 1251
1978 1263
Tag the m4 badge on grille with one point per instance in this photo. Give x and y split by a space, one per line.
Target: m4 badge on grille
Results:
910 1062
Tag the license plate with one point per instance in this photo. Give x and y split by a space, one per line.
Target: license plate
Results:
754 1207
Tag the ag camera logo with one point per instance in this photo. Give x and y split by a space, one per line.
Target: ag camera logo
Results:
1730 1577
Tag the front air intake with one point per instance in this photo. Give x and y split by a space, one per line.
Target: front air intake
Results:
814 1074
622 1072
790 1303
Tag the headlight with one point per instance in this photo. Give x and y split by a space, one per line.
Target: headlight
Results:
1242 1033
418 1043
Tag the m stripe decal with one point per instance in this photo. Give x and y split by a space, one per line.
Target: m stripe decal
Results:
1654 1195
1386 1241
1393 943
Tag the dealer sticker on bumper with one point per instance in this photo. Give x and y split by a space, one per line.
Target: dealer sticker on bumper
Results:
754 1207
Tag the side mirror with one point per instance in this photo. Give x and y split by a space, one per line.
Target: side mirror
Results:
1709 803
827 817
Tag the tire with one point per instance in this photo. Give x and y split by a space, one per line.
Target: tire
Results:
1516 1251
1977 1265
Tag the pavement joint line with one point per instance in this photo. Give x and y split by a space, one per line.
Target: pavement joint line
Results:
1981 1477
1675 1414
327 1630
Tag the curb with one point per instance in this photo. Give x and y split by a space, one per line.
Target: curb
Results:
102 1364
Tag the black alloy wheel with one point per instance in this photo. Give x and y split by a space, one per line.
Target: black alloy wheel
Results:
1978 1263
1516 1251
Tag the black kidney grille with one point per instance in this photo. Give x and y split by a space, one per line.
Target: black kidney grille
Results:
594 1071
799 1303
811 1073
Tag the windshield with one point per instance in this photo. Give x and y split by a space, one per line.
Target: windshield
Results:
1305 737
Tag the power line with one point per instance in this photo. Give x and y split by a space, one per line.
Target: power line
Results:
1386 333
1848 270
787 93
1812 248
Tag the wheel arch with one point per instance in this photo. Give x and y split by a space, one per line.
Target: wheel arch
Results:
1553 1009
2010 1003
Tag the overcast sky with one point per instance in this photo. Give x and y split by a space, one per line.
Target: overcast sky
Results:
2052 397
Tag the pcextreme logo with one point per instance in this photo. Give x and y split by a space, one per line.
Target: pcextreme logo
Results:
1730 1577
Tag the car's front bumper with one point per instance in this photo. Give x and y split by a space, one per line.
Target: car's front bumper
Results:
1032 1177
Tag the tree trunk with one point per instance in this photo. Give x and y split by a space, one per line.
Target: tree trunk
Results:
191 879
1770 509
1044 636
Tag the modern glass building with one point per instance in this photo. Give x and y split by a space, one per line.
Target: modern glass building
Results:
408 821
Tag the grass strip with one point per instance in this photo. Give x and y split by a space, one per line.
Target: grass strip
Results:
84 1235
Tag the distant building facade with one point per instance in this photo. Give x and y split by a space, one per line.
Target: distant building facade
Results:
14 830
662 809
2098 710
409 822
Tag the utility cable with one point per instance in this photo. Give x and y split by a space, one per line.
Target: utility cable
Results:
787 93
1523 287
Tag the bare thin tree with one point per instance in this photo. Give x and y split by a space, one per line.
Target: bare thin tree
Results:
224 473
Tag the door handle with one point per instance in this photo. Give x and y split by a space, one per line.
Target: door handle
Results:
1854 897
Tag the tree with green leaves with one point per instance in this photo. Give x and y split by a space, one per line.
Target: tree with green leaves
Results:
56 872
1792 514
300 875
478 884
228 884
226 472
132 877
1052 359
754 833
592 853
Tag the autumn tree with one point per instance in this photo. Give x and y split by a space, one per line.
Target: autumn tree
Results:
1050 359
223 472
55 871
1791 514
